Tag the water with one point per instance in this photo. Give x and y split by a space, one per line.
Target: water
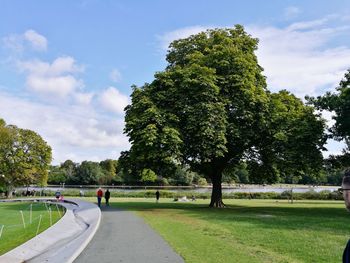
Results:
225 189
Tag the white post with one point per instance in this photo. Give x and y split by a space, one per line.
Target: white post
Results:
24 224
30 213
50 214
58 210
2 227
37 230
46 207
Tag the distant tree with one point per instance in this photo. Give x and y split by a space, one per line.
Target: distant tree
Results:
147 175
68 167
57 175
24 157
338 103
87 173
109 170
236 174
182 176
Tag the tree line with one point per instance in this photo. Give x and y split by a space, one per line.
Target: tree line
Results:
109 172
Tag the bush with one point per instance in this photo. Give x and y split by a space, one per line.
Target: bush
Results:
202 181
311 195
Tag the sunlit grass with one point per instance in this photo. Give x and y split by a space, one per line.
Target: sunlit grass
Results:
248 230
13 231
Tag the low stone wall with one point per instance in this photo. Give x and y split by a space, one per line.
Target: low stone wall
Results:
62 242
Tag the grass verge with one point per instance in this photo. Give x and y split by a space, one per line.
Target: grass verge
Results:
248 230
13 231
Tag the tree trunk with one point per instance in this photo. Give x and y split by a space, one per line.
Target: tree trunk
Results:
216 194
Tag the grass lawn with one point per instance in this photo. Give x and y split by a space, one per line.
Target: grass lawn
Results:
248 230
14 233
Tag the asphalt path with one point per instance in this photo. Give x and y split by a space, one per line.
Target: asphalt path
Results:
125 237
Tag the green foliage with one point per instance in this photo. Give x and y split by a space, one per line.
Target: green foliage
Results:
87 173
24 157
309 195
236 174
182 176
147 175
293 142
69 169
57 175
339 104
109 171
202 181
210 109
104 173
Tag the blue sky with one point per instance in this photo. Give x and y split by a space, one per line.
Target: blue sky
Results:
66 67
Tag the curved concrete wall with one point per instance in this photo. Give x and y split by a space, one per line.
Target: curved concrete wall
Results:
65 240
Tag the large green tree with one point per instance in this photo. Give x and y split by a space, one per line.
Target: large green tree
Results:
24 157
210 109
291 144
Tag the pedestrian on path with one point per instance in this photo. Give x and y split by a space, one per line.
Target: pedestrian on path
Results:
157 196
345 188
99 196
107 196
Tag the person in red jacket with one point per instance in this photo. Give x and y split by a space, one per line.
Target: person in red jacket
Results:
99 196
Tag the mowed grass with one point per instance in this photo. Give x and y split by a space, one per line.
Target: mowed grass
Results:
248 230
13 232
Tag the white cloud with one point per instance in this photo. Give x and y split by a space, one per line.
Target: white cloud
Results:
291 12
60 86
298 58
13 42
38 42
61 65
72 130
84 98
31 38
112 100
56 79
115 75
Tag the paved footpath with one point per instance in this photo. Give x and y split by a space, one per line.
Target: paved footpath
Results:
125 237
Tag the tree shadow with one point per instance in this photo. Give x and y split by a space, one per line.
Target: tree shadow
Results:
294 217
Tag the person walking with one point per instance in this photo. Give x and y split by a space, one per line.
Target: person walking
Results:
157 196
99 196
107 196
345 188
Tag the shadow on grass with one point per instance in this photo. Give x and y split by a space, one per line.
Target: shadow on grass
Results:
274 215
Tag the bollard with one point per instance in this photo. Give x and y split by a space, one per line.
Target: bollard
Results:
2 227
24 224
37 230
30 213
50 214
46 207
58 210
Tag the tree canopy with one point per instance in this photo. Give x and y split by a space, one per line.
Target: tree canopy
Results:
339 103
24 156
210 109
